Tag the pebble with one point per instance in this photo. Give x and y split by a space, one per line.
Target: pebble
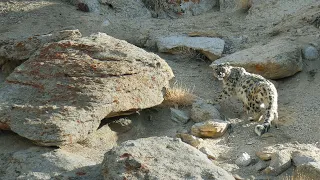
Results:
243 160
310 53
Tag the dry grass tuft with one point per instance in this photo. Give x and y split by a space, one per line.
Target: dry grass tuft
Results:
178 95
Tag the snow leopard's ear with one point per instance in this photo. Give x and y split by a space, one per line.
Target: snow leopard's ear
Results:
227 63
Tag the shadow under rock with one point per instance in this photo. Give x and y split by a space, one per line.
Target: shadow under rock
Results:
150 122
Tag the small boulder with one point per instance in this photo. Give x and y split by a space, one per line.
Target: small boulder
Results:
210 47
179 116
265 156
202 111
280 162
159 158
278 59
210 129
243 160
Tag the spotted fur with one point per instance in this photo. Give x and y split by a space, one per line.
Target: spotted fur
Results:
259 96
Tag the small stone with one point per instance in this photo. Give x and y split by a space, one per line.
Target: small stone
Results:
250 142
189 139
243 160
207 151
261 165
121 125
202 111
211 128
265 153
179 116
310 53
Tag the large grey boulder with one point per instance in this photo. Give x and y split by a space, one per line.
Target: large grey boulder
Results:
210 47
14 52
47 163
159 158
278 59
61 94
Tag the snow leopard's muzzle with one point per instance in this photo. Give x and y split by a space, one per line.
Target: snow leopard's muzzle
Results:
221 75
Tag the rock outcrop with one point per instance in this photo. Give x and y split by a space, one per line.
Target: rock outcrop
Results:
159 158
65 89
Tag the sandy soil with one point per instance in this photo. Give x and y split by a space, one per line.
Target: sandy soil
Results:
298 95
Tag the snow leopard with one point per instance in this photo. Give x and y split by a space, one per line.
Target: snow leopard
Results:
259 95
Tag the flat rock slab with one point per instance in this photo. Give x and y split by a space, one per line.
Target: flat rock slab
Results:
278 59
61 94
159 158
210 47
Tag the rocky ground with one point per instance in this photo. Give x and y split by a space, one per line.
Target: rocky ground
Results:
252 31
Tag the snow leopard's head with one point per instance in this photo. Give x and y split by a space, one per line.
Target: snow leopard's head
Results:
221 71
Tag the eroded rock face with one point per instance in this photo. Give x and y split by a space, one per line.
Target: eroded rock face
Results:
278 59
14 52
159 158
60 94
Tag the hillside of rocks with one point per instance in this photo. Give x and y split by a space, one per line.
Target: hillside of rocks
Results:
115 89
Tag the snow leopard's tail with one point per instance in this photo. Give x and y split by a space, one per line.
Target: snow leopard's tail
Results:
271 112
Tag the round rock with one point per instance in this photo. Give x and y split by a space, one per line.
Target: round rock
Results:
243 160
